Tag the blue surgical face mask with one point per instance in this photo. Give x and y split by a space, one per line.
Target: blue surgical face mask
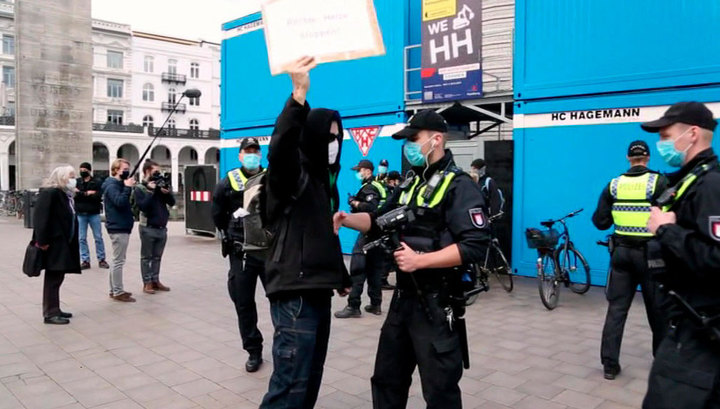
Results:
251 161
670 154
382 169
359 176
413 153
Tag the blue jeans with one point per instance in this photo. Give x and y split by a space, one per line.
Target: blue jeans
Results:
94 221
302 330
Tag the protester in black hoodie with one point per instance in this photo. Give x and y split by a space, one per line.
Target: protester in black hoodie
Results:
305 263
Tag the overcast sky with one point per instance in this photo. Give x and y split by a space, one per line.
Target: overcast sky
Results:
189 19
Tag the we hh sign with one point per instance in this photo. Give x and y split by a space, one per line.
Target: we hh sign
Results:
451 50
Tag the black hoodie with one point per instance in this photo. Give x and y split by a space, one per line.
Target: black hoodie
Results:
306 254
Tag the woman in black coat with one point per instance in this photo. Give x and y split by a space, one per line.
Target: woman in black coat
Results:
56 233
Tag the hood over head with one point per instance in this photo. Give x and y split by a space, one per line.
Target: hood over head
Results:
315 139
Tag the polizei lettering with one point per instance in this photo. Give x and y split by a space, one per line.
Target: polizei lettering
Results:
596 114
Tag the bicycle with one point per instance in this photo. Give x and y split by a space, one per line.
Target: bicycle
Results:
11 203
557 261
495 264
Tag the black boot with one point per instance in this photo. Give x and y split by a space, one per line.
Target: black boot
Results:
348 312
254 362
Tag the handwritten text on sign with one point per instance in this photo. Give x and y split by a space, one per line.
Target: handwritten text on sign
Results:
325 29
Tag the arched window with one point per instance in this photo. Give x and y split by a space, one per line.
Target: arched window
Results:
171 95
194 125
148 121
148 92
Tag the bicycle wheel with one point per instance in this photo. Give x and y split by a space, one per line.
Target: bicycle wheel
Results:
548 281
579 275
501 269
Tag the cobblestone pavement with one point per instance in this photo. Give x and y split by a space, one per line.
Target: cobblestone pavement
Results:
182 349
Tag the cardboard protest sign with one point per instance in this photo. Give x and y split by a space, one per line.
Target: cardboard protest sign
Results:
329 30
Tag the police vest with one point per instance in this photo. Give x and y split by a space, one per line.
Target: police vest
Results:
437 196
381 190
428 232
238 179
679 190
631 208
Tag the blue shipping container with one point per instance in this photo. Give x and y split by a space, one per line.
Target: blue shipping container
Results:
580 47
567 151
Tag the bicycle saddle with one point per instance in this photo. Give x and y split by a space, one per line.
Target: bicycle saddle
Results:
548 223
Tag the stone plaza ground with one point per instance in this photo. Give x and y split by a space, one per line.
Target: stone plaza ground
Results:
182 349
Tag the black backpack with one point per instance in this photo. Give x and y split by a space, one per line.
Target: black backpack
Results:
259 234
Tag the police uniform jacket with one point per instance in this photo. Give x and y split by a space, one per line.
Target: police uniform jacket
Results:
458 218
691 247
603 219
369 197
226 201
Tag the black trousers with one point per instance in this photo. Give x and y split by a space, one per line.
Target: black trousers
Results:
686 371
372 273
242 281
51 293
629 269
409 338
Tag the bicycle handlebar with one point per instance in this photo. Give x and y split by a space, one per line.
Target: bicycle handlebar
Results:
495 217
567 216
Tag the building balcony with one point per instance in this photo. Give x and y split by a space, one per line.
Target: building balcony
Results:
174 78
7 120
111 127
168 106
210 134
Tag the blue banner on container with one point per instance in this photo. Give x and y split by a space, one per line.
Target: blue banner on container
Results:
451 50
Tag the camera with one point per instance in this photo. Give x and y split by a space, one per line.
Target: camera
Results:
162 180
390 225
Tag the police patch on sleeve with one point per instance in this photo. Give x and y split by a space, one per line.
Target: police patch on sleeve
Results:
714 225
478 218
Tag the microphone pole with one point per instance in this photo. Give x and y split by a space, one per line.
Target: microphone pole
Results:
190 93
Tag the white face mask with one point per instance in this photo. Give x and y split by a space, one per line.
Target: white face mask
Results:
333 149
71 184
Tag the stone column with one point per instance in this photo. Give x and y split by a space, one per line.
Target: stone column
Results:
4 171
175 169
54 86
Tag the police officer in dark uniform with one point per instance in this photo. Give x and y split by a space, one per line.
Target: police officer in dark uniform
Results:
382 173
685 255
449 230
244 269
625 202
370 266
392 181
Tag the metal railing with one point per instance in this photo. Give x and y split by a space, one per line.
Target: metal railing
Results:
111 127
7 120
168 106
212 134
172 77
495 56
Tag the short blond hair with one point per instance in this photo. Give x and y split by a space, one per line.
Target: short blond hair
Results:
116 165
59 176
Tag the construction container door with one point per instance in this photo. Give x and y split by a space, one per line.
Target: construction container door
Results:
200 181
499 160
